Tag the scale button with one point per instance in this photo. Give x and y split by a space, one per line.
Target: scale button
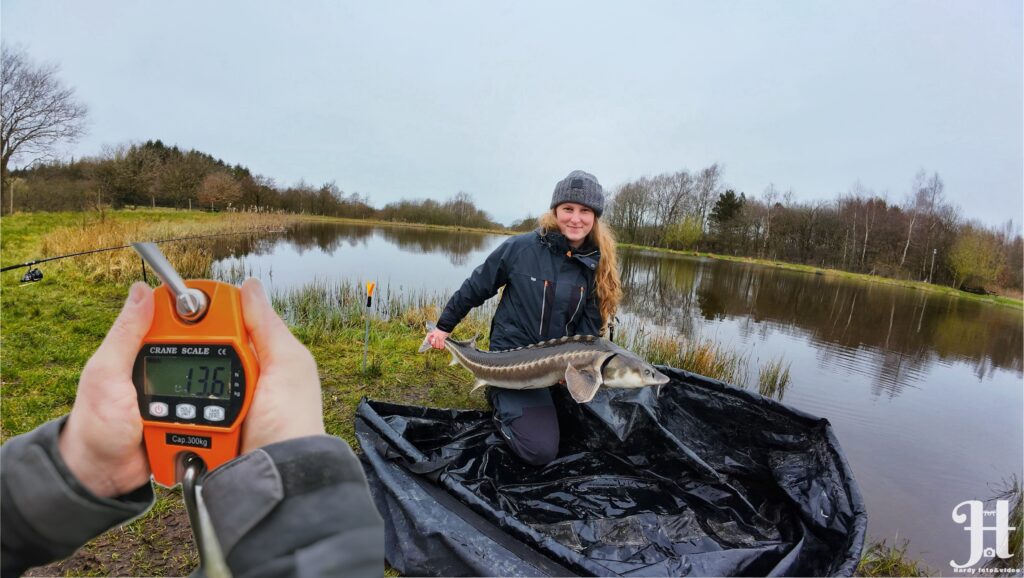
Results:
158 409
185 411
213 413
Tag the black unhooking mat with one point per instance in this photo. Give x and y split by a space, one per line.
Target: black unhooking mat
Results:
707 480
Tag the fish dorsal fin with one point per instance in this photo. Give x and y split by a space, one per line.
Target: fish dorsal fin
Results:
561 340
471 342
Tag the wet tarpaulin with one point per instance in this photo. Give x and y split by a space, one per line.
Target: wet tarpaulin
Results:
707 480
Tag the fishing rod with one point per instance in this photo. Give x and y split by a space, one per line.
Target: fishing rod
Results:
34 274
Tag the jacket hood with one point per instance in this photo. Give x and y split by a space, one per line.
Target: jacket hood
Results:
587 254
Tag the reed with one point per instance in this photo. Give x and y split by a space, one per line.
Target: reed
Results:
321 309
701 356
192 259
1010 491
773 379
881 559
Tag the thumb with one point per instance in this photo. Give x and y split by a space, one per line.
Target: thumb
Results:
270 336
121 344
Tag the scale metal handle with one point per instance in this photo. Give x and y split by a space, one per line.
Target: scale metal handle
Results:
191 304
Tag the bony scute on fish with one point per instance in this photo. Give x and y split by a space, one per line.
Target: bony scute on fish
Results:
585 362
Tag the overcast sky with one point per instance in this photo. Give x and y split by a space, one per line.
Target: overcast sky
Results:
503 99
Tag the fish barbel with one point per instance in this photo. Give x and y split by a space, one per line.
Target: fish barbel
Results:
585 362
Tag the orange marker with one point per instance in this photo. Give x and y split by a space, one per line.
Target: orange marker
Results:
196 373
370 286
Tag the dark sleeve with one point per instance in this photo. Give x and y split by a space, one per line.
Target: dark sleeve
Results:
481 285
296 508
590 323
47 513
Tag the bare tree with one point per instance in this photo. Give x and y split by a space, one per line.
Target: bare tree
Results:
706 189
629 206
36 110
913 205
864 197
933 200
771 196
219 189
461 206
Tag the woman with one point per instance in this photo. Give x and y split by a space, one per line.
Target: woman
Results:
561 279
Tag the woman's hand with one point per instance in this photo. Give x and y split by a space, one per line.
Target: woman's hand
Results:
436 338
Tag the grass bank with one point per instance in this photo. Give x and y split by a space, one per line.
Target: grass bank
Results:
404 225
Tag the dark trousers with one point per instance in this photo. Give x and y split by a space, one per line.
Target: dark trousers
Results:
528 421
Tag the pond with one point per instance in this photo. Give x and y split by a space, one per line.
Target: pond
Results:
925 391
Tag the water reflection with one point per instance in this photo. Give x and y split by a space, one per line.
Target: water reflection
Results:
329 237
456 246
903 331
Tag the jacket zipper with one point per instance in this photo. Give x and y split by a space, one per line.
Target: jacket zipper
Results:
573 316
543 304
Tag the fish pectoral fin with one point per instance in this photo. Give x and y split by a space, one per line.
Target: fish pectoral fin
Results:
479 383
454 361
582 383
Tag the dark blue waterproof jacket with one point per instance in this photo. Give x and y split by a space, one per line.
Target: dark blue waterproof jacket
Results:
549 291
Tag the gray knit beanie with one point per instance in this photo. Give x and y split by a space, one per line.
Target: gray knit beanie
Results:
579 187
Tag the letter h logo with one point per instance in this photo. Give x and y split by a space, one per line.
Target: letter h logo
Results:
977 529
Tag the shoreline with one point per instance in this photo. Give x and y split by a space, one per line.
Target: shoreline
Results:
811 269
995 299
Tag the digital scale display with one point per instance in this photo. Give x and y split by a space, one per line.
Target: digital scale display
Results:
190 383
192 377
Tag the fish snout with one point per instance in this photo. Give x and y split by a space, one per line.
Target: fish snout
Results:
659 379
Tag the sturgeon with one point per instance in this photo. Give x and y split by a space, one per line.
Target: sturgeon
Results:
584 362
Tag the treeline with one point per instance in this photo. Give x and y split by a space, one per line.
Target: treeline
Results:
152 174
923 238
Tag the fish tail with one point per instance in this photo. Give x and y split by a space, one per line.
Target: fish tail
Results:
426 344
